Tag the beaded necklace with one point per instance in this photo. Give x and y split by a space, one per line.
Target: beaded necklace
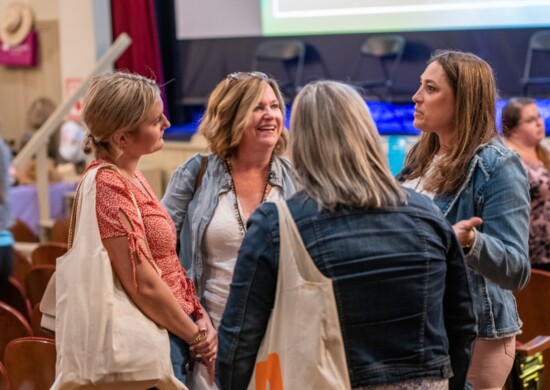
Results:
236 201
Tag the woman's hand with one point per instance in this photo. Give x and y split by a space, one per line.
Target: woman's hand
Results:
208 348
465 231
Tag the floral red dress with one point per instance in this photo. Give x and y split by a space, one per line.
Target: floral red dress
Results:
112 196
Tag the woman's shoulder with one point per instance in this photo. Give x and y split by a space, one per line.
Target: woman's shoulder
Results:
494 150
193 164
495 153
283 161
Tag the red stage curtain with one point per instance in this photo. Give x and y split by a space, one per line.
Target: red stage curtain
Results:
137 18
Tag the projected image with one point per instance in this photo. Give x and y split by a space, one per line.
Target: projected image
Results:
302 17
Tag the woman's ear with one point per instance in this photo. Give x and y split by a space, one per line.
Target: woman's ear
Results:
120 139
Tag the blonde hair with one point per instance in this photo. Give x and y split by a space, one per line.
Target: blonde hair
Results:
511 115
115 101
229 110
336 150
472 81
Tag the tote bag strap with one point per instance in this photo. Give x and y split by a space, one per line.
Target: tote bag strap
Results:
75 212
291 240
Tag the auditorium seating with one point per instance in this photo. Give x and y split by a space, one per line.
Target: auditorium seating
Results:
537 52
285 52
47 253
30 363
381 56
13 326
534 311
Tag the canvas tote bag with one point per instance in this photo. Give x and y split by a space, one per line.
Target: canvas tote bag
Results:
302 347
103 340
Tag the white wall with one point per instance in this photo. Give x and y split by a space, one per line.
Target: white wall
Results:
84 34
197 19
44 9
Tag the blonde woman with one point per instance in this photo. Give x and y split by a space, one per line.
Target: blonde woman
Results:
398 273
523 130
481 187
124 116
244 127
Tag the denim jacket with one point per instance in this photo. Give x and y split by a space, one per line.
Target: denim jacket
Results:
192 212
400 284
496 189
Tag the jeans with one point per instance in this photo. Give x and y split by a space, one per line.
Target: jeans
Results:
179 354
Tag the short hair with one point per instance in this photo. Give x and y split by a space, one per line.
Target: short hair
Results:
229 109
336 151
511 113
473 84
39 111
115 101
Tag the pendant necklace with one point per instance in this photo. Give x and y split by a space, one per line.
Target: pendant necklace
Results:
234 190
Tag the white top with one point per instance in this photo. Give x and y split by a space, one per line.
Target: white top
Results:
222 241
417 184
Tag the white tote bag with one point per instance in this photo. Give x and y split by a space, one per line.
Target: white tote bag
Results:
302 347
103 340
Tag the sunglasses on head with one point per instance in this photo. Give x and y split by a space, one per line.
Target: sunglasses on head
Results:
243 75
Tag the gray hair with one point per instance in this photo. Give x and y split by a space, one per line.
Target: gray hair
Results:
336 150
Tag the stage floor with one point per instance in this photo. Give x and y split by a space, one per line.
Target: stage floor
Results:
391 119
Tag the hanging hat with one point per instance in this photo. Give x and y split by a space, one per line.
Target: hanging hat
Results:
16 23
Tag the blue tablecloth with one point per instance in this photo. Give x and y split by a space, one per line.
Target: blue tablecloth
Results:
24 203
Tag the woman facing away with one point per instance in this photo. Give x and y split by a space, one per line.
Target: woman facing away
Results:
482 189
400 281
244 127
523 130
124 116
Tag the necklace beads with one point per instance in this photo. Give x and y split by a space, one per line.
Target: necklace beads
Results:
236 200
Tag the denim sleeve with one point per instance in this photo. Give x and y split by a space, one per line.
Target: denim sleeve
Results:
250 301
459 314
180 191
500 250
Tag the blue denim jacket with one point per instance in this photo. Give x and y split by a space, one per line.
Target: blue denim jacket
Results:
192 212
400 284
496 189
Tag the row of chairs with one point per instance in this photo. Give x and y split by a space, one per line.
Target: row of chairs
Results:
382 51
27 353
385 50
59 231
32 359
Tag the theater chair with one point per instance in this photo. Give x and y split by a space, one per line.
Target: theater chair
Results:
285 52
536 71
30 363
381 55
532 369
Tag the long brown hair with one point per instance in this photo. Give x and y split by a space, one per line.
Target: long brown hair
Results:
511 115
472 81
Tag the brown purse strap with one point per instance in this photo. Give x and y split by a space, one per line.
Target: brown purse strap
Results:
202 170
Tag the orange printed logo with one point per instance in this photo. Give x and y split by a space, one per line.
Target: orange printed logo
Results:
269 371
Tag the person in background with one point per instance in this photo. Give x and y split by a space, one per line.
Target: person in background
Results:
244 127
523 130
38 113
400 281
124 116
482 188
6 219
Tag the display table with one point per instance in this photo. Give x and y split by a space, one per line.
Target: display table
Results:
24 203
